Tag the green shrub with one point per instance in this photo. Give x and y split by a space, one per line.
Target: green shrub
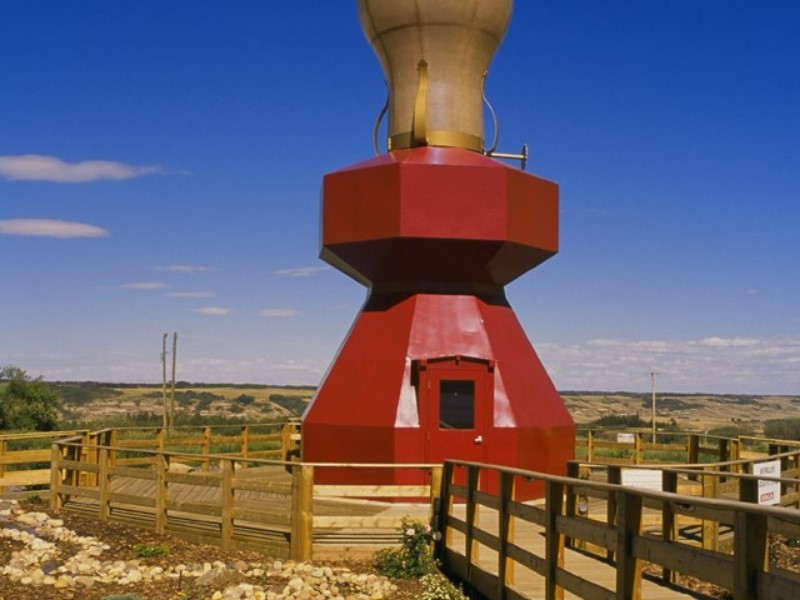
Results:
245 399
296 404
150 551
782 429
413 558
437 587
33 498
620 421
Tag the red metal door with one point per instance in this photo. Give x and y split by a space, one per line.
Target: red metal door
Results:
458 410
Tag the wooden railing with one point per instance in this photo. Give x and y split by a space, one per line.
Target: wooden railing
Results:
233 501
25 459
245 487
494 520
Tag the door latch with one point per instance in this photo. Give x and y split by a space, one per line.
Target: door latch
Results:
479 439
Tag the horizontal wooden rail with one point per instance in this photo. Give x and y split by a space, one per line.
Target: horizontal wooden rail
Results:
217 497
621 534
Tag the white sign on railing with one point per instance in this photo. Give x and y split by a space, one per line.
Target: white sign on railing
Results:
649 479
626 438
769 492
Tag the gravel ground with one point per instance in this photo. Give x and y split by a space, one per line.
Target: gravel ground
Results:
122 539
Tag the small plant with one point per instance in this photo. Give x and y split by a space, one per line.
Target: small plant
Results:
438 587
413 558
34 498
150 551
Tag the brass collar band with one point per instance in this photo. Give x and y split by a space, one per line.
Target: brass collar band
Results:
437 137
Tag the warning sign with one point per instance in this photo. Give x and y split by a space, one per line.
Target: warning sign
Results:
769 492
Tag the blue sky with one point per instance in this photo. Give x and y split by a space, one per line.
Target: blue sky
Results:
160 168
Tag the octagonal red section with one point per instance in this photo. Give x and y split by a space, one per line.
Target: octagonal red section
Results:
438 215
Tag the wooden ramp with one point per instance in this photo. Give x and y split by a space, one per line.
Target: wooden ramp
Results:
528 584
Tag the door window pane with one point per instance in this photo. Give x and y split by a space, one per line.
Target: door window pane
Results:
456 404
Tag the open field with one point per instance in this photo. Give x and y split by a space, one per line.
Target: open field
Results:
90 401
691 412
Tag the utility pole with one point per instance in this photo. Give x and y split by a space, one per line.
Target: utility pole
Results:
653 403
164 377
174 359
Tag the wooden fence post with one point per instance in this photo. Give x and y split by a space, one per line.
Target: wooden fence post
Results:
445 506
710 528
669 521
505 566
161 466
302 518
573 472
113 436
286 437
56 501
245 444
554 541
206 447
751 552
614 476
638 453
629 572
84 455
748 490
436 492
3 450
693 451
736 452
724 449
228 466
472 548
104 508
590 446
160 439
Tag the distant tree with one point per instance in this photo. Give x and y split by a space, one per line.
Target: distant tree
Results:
782 429
245 399
26 403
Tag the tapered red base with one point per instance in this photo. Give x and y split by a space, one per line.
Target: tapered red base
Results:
425 377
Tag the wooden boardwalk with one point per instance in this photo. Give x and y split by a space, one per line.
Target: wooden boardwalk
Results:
589 566
332 541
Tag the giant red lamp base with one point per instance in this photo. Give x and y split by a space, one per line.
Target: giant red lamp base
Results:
426 377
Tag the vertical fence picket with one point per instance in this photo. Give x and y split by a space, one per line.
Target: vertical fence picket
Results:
56 501
629 572
104 509
505 566
161 467
228 491
554 541
302 519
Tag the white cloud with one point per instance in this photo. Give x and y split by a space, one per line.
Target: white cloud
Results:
189 295
726 342
50 228
279 313
213 311
143 285
38 167
301 271
714 364
183 269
